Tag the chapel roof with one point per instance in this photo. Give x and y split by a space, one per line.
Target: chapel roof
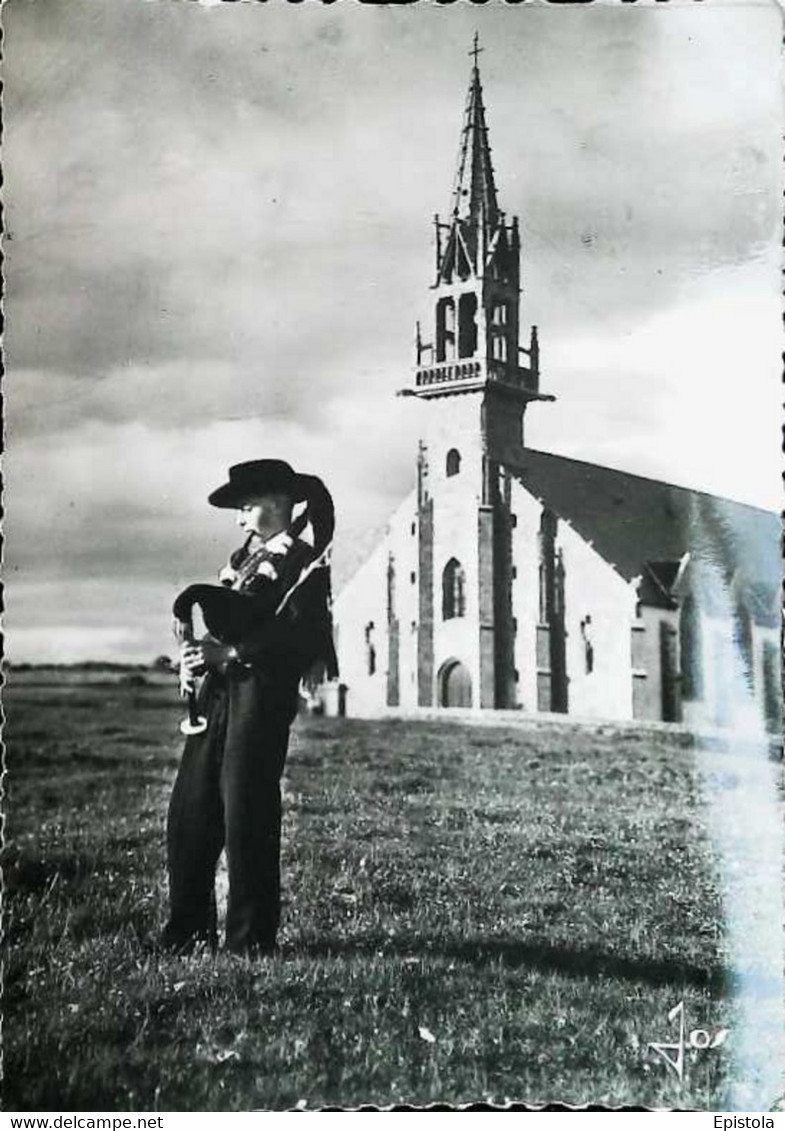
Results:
644 527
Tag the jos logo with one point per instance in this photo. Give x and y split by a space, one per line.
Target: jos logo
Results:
697 1041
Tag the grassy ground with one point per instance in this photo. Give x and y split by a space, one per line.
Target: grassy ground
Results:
472 915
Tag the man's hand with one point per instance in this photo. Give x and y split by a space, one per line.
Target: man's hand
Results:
191 666
197 656
316 675
216 655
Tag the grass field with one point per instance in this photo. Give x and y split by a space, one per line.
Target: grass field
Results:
471 915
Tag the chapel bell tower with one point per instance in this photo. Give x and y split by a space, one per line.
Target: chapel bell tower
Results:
477 380
473 340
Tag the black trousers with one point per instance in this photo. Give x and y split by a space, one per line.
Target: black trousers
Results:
227 794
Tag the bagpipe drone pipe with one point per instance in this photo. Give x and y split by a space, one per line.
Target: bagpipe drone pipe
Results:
229 613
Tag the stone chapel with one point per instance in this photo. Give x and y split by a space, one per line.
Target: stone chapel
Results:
516 579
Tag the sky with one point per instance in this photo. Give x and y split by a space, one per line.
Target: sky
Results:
219 237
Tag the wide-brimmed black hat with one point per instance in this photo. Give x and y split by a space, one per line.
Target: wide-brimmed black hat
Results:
259 477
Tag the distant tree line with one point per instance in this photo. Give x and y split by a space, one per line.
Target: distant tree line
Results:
159 664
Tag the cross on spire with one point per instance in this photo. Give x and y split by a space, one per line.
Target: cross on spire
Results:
474 194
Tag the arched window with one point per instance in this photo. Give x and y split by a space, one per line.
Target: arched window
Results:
390 589
453 590
467 325
588 643
499 347
370 649
453 462
445 329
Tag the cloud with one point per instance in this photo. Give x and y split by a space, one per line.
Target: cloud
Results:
706 378
71 644
126 503
200 210
108 523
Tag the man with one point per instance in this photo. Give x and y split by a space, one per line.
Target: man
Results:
227 791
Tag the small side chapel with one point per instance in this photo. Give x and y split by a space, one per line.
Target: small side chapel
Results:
513 578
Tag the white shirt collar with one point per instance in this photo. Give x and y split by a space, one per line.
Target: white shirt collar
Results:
280 543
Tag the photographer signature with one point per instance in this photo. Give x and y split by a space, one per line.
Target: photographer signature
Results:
697 1041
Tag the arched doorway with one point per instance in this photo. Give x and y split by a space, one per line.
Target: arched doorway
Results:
455 685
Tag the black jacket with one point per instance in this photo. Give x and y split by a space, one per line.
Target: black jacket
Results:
291 640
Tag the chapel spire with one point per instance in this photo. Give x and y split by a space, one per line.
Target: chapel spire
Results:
472 341
474 193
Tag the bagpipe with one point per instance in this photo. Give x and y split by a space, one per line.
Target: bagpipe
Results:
228 612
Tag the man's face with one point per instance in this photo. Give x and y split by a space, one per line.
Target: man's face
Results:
264 515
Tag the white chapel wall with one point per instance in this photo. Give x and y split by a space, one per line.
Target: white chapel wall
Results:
733 697
403 543
592 588
362 602
455 425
